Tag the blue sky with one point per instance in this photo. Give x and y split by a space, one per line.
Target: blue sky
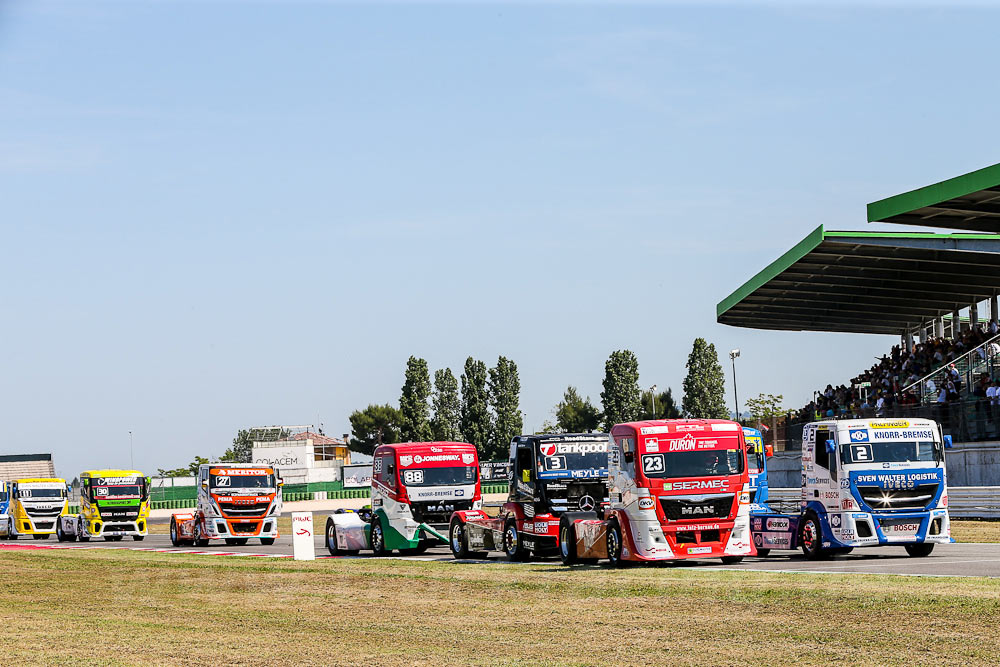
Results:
218 214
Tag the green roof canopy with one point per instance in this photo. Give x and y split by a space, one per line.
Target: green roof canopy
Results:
970 201
881 282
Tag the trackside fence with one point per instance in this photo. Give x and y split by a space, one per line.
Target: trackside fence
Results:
964 502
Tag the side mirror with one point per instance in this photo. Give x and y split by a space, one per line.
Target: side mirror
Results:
629 457
204 483
768 451
831 446
947 442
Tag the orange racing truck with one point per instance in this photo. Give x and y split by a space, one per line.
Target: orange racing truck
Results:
236 501
678 489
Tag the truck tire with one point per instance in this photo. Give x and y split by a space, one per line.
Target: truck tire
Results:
811 537
762 553
11 535
138 538
614 543
60 535
459 541
267 541
378 538
331 537
732 560
567 542
199 541
512 546
175 538
919 550
81 531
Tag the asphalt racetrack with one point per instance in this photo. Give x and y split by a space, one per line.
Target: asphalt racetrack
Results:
961 559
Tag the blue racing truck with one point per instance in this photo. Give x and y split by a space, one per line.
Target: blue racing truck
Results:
865 482
757 454
4 501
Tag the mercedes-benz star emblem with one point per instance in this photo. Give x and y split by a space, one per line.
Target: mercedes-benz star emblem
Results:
587 503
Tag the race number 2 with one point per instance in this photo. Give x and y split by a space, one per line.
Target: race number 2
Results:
861 452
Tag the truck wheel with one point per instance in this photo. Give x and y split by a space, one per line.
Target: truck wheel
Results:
567 542
138 538
762 553
512 543
81 532
459 541
331 537
614 542
811 537
60 535
378 538
731 560
174 537
11 535
199 541
266 541
919 550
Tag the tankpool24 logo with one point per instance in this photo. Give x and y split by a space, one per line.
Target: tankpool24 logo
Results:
859 435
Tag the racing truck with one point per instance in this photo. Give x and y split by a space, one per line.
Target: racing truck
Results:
865 482
678 489
114 504
757 453
236 502
550 475
34 507
416 486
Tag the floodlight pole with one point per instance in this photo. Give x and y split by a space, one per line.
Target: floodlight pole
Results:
131 458
736 399
652 395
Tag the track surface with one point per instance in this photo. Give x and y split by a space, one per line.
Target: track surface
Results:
970 560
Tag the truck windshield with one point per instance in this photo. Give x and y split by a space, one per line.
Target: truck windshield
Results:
41 493
440 476
3 496
706 463
117 492
560 459
889 452
223 482
755 461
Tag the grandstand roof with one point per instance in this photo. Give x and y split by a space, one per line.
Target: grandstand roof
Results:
867 282
25 466
970 201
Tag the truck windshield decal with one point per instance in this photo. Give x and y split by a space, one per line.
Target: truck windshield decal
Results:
706 463
578 460
889 452
451 476
226 482
40 493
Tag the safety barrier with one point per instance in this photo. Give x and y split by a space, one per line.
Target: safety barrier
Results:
964 502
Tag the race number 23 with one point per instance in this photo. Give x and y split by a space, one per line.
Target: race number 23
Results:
652 463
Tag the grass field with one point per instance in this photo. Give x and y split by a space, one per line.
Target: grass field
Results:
120 607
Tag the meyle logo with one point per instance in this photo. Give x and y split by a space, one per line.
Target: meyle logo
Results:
685 444
699 484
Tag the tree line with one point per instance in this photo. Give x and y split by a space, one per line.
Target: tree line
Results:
482 407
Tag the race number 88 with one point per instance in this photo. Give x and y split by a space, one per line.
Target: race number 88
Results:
413 477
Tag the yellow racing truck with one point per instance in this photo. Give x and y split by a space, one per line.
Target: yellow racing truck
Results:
113 504
35 507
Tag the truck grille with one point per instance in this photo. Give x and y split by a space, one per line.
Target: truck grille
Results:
677 509
917 498
244 527
255 510
33 512
437 514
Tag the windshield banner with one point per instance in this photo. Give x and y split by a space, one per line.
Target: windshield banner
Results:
441 492
592 473
903 479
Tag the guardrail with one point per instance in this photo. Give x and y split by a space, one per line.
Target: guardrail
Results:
964 502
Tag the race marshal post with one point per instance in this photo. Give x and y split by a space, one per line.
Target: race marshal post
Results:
303 546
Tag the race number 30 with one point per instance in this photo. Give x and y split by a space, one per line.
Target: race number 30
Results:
652 463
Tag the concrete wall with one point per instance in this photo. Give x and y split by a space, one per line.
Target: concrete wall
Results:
969 464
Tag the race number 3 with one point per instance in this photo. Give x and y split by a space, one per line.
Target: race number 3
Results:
652 463
861 452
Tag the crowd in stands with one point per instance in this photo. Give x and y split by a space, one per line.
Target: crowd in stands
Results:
895 382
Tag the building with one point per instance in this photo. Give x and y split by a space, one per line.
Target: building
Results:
303 456
24 466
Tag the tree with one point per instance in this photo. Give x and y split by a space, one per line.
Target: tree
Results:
765 407
446 424
416 425
705 385
575 414
666 406
621 388
242 449
504 399
190 471
375 425
475 409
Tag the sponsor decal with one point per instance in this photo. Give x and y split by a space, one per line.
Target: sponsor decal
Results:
699 484
898 480
646 503
697 510
818 480
652 445
701 526
103 481
757 539
777 540
541 527
757 523
468 459
238 472
417 458
831 495
894 423
652 430
835 520
859 435
845 483
685 444
914 434
406 460
847 504
847 534
859 516
776 524
553 448
699 550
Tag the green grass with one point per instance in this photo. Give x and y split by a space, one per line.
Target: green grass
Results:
121 607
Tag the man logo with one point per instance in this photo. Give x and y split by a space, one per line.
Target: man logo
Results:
859 435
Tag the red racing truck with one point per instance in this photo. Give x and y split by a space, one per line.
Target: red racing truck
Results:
678 489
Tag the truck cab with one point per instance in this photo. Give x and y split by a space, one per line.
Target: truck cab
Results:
865 482
236 502
551 474
34 507
757 454
678 489
114 504
416 486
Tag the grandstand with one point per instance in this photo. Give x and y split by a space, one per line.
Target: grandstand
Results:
925 287
23 466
